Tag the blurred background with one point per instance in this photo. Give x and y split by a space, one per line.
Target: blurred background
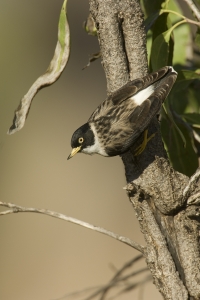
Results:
41 257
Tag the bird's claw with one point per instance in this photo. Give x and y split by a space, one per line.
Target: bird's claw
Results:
146 139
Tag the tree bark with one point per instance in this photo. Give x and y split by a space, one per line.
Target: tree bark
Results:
166 203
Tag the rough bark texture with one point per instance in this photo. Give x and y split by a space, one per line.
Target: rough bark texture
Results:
158 193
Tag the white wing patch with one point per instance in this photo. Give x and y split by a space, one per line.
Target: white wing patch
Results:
142 95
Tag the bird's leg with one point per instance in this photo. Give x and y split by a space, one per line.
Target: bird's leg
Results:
141 148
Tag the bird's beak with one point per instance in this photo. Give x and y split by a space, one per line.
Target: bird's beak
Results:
74 151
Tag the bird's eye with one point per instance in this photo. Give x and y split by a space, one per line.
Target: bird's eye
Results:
80 140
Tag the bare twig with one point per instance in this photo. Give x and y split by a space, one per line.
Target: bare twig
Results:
192 180
130 287
77 294
92 58
123 279
116 278
17 209
194 199
119 281
194 8
176 13
126 266
133 286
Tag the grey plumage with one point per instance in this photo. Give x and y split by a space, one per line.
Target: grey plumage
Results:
123 116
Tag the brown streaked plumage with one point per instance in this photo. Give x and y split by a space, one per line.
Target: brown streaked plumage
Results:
118 121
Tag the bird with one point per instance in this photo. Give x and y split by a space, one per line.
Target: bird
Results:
119 121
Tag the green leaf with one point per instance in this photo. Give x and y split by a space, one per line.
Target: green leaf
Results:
178 101
182 35
165 4
53 72
150 7
185 96
149 45
192 118
188 74
162 24
183 159
184 80
171 118
151 20
193 99
62 32
161 48
197 37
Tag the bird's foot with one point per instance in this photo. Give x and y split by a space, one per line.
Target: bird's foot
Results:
141 148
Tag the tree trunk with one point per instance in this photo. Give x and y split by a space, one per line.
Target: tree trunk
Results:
165 201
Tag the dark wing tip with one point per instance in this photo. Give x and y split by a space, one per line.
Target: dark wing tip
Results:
159 75
172 70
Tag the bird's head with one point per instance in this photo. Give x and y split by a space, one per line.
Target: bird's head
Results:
82 140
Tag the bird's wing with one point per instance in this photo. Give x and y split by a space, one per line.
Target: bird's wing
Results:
133 87
127 128
136 123
142 115
127 92
136 118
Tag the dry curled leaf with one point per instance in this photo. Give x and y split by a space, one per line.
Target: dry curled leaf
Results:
92 58
53 72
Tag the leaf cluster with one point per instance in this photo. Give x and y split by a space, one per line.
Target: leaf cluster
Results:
173 39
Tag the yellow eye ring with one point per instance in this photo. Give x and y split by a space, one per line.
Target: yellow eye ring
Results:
80 140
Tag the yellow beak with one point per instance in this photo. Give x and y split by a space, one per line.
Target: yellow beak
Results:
74 151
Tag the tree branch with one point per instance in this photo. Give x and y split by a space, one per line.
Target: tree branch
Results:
19 209
193 184
194 8
155 189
